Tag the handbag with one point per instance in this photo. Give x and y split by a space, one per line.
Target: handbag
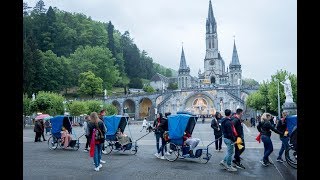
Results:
258 138
234 130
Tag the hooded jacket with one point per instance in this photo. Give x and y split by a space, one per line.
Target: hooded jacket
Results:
227 129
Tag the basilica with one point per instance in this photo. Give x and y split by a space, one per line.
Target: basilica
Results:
215 72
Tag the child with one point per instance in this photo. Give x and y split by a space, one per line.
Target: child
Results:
144 124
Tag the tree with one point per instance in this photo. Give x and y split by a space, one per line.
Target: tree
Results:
40 7
148 88
168 73
255 100
250 82
136 83
47 103
94 106
77 108
26 105
111 109
173 86
90 84
25 9
111 44
98 60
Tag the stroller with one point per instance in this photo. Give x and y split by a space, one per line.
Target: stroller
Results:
115 140
291 153
55 140
177 125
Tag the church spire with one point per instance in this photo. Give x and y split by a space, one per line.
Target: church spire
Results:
211 22
235 58
183 64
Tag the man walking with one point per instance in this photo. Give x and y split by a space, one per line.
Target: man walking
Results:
229 140
237 122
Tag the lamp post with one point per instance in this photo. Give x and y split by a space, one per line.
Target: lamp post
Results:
279 116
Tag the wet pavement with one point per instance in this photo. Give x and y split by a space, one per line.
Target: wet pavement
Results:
39 162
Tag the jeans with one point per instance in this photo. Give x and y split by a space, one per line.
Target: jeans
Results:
268 147
97 154
163 145
87 142
284 146
238 152
158 135
229 152
218 142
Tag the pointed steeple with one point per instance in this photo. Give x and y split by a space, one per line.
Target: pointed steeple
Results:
211 22
183 64
235 59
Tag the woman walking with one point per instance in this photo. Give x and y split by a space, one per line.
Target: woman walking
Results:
94 125
216 126
265 127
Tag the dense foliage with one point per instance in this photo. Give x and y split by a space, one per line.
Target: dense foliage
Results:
58 46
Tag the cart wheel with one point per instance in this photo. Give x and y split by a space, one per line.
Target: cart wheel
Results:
291 157
172 152
52 143
134 148
108 146
204 158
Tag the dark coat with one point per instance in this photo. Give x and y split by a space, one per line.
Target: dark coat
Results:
227 129
265 128
238 126
215 124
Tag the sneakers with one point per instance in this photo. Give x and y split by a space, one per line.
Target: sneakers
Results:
231 169
280 160
167 153
85 150
103 162
238 164
223 164
104 152
97 168
157 155
162 157
100 166
269 162
263 163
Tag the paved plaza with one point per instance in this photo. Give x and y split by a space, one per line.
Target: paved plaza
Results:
39 162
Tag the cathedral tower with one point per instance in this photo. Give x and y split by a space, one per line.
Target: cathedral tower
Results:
184 78
235 68
214 65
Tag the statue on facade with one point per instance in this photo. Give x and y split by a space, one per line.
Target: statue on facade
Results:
287 90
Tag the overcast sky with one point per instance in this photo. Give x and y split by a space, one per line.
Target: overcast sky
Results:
265 30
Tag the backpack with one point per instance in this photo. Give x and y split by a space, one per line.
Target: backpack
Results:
98 134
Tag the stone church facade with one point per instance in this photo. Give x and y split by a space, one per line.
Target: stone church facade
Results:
215 89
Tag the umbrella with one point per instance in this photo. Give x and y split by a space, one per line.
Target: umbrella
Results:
42 116
48 118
